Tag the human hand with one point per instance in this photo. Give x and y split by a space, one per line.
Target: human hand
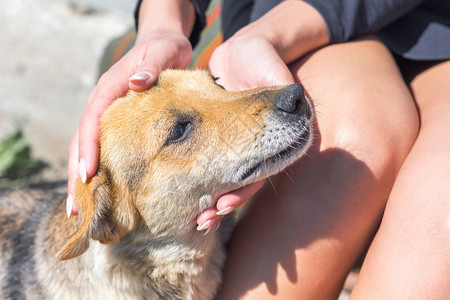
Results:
248 60
211 218
257 56
137 71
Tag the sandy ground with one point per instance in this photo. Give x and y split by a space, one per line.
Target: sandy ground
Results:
50 50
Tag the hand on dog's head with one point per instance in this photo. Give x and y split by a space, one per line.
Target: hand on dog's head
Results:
166 153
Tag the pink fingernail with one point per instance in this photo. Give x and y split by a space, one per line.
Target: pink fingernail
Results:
204 225
225 211
141 76
82 170
69 205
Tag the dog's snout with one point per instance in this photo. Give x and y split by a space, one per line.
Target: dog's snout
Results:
291 100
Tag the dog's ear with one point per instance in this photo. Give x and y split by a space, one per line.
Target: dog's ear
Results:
95 202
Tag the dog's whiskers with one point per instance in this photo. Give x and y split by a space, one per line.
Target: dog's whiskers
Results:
270 180
288 176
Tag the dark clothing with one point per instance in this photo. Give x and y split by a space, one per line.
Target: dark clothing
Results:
413 29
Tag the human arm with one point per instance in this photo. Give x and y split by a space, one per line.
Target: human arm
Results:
200 7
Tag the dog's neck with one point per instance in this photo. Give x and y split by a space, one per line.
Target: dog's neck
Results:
174 215
140 260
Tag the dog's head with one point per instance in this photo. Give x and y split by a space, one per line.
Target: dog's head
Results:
168 152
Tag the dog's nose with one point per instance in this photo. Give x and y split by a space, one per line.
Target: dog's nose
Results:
291 100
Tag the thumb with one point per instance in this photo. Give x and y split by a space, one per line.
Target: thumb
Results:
148 71
283 76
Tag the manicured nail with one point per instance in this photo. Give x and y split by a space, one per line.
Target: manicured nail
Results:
206 224
69 205
207 231
141 76
225 211
82 170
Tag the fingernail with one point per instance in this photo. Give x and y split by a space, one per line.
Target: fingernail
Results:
206 224
141 76
69 205
225 211
82 170
207 231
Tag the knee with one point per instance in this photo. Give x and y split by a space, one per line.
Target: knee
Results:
382 144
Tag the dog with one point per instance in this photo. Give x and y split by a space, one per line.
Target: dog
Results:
166 154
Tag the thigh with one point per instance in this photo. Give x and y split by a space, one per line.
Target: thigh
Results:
358 91
302 234
410 257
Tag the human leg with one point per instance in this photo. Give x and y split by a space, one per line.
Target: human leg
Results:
298 239
410 256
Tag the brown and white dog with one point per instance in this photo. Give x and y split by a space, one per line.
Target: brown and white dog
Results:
165 156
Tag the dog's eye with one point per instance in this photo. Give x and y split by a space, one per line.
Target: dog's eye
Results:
180 131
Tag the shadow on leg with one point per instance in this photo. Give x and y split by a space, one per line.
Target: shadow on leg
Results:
301 235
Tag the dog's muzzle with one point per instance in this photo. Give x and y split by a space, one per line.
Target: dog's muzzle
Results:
286 138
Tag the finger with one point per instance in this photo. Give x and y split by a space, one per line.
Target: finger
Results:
216 66
141 80
228 202
278 72
88 143
206 219
73 164
211 217
92 94
112 85
74 170
72 175
162 55
283 76
146 74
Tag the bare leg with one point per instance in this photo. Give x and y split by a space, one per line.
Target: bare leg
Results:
410 256
299 238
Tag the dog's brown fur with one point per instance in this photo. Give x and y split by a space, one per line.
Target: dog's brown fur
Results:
138 231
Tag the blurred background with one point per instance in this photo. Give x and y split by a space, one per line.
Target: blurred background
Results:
50 53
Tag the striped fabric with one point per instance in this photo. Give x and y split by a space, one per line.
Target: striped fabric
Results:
211 37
